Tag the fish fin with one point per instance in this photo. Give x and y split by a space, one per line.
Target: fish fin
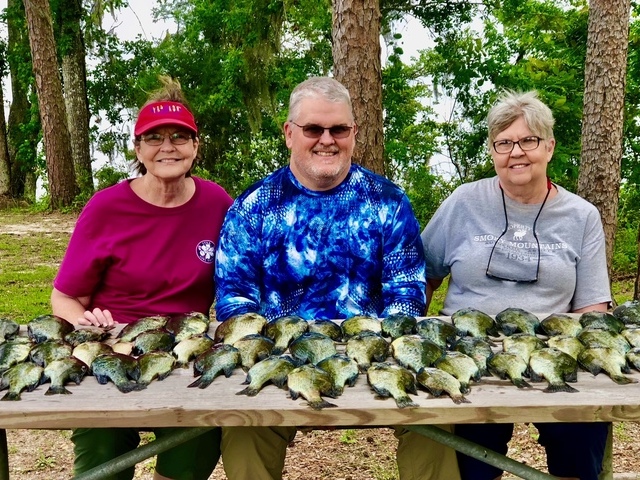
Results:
320 404
625 368
406 402
195 383
458 399
436 392
622 380
162 376
228 371
294 395
57 389
102 379
352 380
520 383
182 364
11 396
534 377
563 387
249 391
129 387
464 387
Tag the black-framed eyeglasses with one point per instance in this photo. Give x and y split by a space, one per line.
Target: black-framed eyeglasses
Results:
526 144
176 138
506 265
316 131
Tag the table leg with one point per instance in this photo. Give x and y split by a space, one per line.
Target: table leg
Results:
130 459
4 456
476 451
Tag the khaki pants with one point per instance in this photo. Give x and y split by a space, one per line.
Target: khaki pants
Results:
255 453
420 458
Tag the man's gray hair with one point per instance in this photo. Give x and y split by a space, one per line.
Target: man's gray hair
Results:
513 105
325 88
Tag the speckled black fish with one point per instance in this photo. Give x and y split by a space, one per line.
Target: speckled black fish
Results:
601 321
397 325
438 331
14 351
62 371
366 347
560 324
479 349
8 329
628 312
437 381
474 323
510 366
120 369
415 352
311 383
187 325
22 376
554 366
274 369
342 369
132 330
516 320
44 353
311 347
284 330
218 360
238 326
158 340
48 327
253 348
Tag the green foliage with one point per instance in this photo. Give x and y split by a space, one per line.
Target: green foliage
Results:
108 176
348 436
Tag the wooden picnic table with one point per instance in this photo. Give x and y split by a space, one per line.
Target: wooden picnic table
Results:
171 403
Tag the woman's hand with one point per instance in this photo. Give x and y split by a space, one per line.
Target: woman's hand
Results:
97 317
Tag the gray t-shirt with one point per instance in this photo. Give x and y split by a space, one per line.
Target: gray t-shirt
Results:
463 231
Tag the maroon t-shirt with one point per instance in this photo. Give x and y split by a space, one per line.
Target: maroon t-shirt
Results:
136 259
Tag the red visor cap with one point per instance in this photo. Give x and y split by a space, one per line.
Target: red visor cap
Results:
164 113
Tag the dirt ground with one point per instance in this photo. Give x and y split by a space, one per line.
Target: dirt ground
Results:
362 454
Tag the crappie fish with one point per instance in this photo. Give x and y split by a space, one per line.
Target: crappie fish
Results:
560 324
397 325
523 344
391 380
312 347
158 340
415 352
253 348
154 366
554 366
8 329
238 326
567 344
328 328
366 347
48 327
22 376
460 366
506 365
360 323
14 351
120 369
474 323
632 335
218 360
88 351
343 371
628 312
189 348
478 349
437 381
593 338
602 321
284 330
44 353
187 325
517 320
62 371
608 360
132 330
274 369
438 331
86 334
633 357
311 383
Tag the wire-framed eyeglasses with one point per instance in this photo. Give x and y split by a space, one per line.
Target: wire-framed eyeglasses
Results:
316 131
526 144
510 265
176 138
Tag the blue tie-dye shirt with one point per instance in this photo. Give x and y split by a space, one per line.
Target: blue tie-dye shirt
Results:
352 250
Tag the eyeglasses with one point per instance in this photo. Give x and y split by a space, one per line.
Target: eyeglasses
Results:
526 144
517 261
176 138
316 131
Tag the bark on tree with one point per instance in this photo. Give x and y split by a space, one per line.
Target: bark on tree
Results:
74 76
603 111
357 65
5 167
60 172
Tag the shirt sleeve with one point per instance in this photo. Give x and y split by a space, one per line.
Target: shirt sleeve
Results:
237 272
434 241
403 279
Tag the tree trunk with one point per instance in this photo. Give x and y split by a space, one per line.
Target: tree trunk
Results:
22 133
5 166
603 111
74 75
356 63
60 173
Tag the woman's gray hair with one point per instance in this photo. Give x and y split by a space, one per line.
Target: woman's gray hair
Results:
511 106
325 88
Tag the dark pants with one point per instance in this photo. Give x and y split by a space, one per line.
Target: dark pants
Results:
573 449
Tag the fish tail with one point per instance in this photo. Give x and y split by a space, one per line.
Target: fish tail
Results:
320 404
405 402
11 396
195 383
57 390
622 380
182 364
130 387
520 383
458 399
464 387
249 391
561 387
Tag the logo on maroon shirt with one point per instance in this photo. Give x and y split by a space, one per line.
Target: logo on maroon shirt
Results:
206 251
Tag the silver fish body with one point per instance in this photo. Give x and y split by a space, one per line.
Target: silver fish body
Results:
44 353
253 348
437 382
155 366
189 348
22 376
608 360
391 380
312 347
187 325
342 369
311 383
120 369
523 344
238 326
438 331
461 366
474 323
510 366
130 331
360 323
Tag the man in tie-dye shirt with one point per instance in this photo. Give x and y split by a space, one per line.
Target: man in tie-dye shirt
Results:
321 238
